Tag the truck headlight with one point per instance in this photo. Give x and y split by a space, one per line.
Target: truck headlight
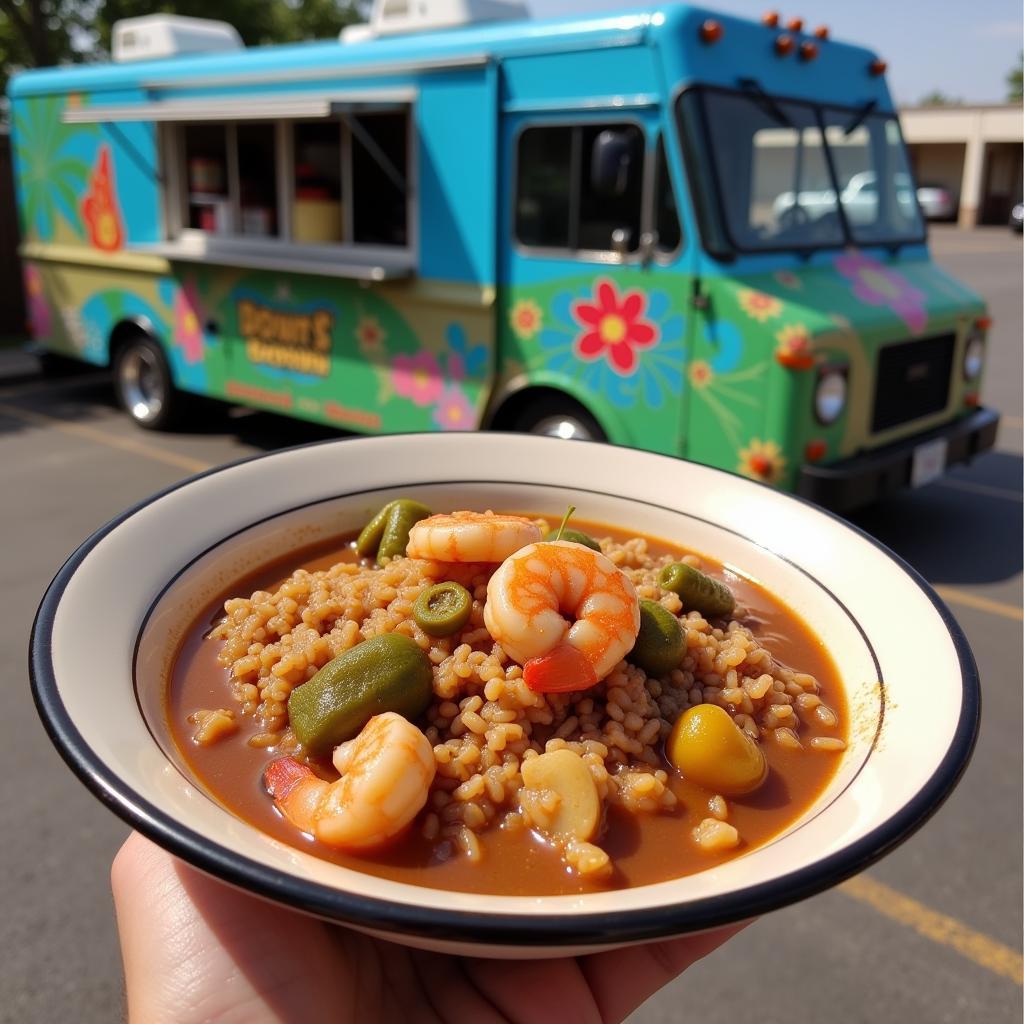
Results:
830 393
974 355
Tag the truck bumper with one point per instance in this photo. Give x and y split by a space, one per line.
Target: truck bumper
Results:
865 478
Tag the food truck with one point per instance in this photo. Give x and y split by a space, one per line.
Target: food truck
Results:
669 229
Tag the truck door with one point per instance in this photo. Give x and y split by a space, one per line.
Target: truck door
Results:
591 295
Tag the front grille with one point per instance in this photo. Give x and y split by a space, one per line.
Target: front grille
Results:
912 380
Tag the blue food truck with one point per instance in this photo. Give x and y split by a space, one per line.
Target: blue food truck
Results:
669 229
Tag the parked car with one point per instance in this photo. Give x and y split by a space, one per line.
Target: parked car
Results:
1017 217
859 201
936 203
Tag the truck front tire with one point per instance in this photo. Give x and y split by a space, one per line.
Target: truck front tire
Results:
558 417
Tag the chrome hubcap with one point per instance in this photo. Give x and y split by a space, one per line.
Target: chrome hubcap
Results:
142 384
567 427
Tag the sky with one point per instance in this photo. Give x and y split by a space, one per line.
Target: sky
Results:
964 48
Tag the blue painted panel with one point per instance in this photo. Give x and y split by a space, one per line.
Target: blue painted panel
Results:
133 147
457 115
574 76
498 39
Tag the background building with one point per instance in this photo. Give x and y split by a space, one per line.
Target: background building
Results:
973 152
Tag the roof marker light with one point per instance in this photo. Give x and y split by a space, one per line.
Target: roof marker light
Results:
796 25
877 67
784 45
770 19
821 31
711 31
808 51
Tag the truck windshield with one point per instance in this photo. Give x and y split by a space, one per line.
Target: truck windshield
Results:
779 174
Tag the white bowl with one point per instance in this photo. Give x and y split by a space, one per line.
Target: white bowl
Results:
111 620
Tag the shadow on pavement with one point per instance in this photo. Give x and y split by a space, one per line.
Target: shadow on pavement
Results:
966 528
963 529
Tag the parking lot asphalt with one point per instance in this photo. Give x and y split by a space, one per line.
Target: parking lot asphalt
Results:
932 933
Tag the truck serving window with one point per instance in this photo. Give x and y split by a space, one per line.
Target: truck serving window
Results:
766 172
579 188
334 181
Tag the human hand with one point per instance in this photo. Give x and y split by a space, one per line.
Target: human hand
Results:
196 950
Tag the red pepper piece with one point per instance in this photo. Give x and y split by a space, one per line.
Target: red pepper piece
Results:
562 670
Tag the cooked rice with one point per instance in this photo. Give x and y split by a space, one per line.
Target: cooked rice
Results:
484 720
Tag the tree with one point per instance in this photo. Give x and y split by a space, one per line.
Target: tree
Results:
937 98
41 33
36 34
1015 81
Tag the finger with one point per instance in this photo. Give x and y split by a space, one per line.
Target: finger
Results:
623 978
195 949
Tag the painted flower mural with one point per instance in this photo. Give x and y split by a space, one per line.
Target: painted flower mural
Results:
757 305
794 348
878 285
613 327
789 280
762 460
188 328
701 374
627 347
417 377
454 411
526 318
371 337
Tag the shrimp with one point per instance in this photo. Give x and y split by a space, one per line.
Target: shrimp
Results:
470 537
534 588
386 772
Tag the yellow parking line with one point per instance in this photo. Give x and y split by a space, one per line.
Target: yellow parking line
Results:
948 931
125 444
953 595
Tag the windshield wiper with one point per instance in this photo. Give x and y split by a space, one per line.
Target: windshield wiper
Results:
764 101
860 117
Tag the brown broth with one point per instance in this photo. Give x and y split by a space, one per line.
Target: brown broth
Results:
644 848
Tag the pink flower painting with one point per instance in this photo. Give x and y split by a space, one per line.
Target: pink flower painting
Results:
417 377
878 285
454 411
188 328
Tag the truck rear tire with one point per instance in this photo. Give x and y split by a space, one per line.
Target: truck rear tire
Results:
142 380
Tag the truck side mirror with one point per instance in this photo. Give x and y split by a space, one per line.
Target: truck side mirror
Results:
611 160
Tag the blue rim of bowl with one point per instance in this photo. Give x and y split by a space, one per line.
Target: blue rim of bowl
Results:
540 930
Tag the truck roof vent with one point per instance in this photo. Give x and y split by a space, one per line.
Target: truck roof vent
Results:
170 35
395 17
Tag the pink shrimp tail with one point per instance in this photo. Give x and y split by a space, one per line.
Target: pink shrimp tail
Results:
563 669
280 777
